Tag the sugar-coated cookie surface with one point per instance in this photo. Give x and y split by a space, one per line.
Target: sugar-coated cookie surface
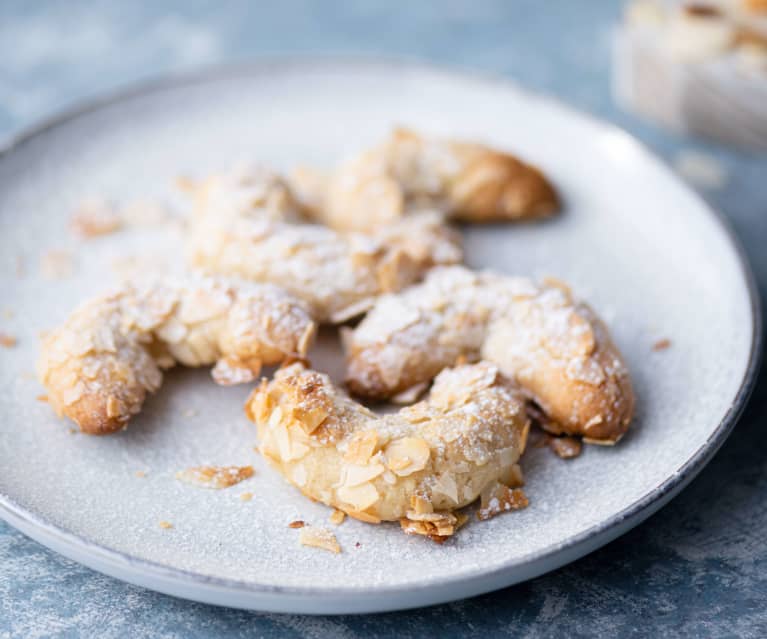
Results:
248 223
554 347
417 465
100 364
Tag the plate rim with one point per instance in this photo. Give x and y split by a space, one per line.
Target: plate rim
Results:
143 571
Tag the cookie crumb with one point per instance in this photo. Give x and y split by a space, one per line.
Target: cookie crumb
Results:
565 447
246 496
140 473
94 217
317 537
7 341
42 398
337 517
661 345
215 477
297 524
166 524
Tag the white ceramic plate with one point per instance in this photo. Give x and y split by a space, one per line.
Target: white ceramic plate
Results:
645 250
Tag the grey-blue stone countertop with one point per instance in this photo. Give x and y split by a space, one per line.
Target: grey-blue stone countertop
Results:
697 568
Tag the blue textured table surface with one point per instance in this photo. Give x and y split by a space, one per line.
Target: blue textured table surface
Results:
698 567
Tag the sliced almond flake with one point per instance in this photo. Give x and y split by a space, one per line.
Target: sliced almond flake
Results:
337 517
361 447
215 477
317 537
94 217
565 447
497 499
228 372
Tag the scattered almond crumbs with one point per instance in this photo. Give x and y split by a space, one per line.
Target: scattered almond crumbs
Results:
56 264
246 496
215 476
565 447
297 524
166 524
497 499
317 537
7 341
337 517
94 217
661 344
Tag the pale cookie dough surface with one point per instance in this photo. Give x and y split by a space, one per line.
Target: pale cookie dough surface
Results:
101 363
408 171
420 463
247 223
553 346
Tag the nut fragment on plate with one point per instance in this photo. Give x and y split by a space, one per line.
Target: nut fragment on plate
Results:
7 341
337 517
565 447
317 537
298 523
497 499
57 264
436 526
215 476
94 217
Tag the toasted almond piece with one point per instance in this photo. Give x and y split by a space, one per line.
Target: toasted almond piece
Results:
7 341
360 497
337 517
407 455
565 447
94 217
497 498
357 475
317 537
215 476
421 505
366 517
362 447
297 524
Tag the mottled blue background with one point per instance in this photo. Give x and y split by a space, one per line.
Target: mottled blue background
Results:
696 568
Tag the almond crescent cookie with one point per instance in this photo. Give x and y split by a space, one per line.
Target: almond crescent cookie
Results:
100 364
417 465
470 182
247 223
555 348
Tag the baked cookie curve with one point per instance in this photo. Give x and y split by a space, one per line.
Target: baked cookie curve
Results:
408 171
417 465
554 347
247 223
100 364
